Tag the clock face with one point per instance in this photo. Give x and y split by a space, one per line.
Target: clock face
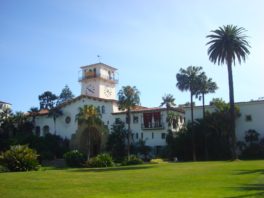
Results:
90 89
107 91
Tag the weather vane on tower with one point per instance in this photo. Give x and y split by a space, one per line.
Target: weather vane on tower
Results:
99 58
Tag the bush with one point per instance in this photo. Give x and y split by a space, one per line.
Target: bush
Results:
132 160
19 158
74 158
101 160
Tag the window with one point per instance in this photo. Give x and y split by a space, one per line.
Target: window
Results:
37 130
163 135
152 135
45 130
135 119
248 118
103 109
68 119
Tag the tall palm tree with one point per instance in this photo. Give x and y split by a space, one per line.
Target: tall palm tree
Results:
90 118
187 80
205 86
168 100
55 113
128 98
227 44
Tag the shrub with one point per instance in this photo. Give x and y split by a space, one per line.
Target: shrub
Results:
132 160
101 160
19 158
74 158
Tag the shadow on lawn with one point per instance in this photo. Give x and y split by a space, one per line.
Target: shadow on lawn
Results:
111 169
258 188
251 187
244 172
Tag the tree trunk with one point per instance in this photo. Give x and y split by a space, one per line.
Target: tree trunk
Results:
192 131
204 132
129 132
203 106
232 111
89 145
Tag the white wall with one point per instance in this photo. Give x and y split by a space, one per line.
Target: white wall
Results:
254 108
66 130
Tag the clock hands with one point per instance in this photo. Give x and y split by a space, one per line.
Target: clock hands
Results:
91 90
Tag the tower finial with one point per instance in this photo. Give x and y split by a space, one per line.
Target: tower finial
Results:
99 58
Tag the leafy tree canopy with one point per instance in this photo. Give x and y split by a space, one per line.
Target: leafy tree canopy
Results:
65 95
47 100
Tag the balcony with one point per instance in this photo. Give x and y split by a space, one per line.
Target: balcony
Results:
152 126
92 75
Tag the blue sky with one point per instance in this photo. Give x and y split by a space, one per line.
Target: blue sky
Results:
43 44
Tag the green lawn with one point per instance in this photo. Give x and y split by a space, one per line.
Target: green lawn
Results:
199 179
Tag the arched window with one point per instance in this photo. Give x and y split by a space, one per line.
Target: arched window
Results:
46 130
103 109
37 131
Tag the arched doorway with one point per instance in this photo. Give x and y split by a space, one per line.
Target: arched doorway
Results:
90 141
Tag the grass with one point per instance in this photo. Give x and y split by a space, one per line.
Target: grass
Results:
192 179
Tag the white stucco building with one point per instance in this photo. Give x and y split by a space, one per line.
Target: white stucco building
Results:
251 117
98 88
4 106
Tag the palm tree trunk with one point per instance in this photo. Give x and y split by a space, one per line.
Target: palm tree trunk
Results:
203 106
89 145
192 131
54 119
232 111
204 132
129 132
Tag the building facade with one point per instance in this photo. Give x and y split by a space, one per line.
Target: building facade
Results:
98 88
251 117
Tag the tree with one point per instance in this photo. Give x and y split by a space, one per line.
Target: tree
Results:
33 112
251 136
47 100
89 118
128 98
55 113
205 86
227 44
168 100
187 80
65 95
116 142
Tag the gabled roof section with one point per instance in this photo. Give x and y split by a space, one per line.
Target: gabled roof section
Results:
68 102
2 102
84 97
99 64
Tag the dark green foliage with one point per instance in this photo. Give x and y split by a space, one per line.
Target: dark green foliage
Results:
101 160
65 95
19 158
47 100
132 160
178 146
116 141
253 148
74 158
142 149
128 98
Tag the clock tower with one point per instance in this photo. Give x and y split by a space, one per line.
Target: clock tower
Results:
98 80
